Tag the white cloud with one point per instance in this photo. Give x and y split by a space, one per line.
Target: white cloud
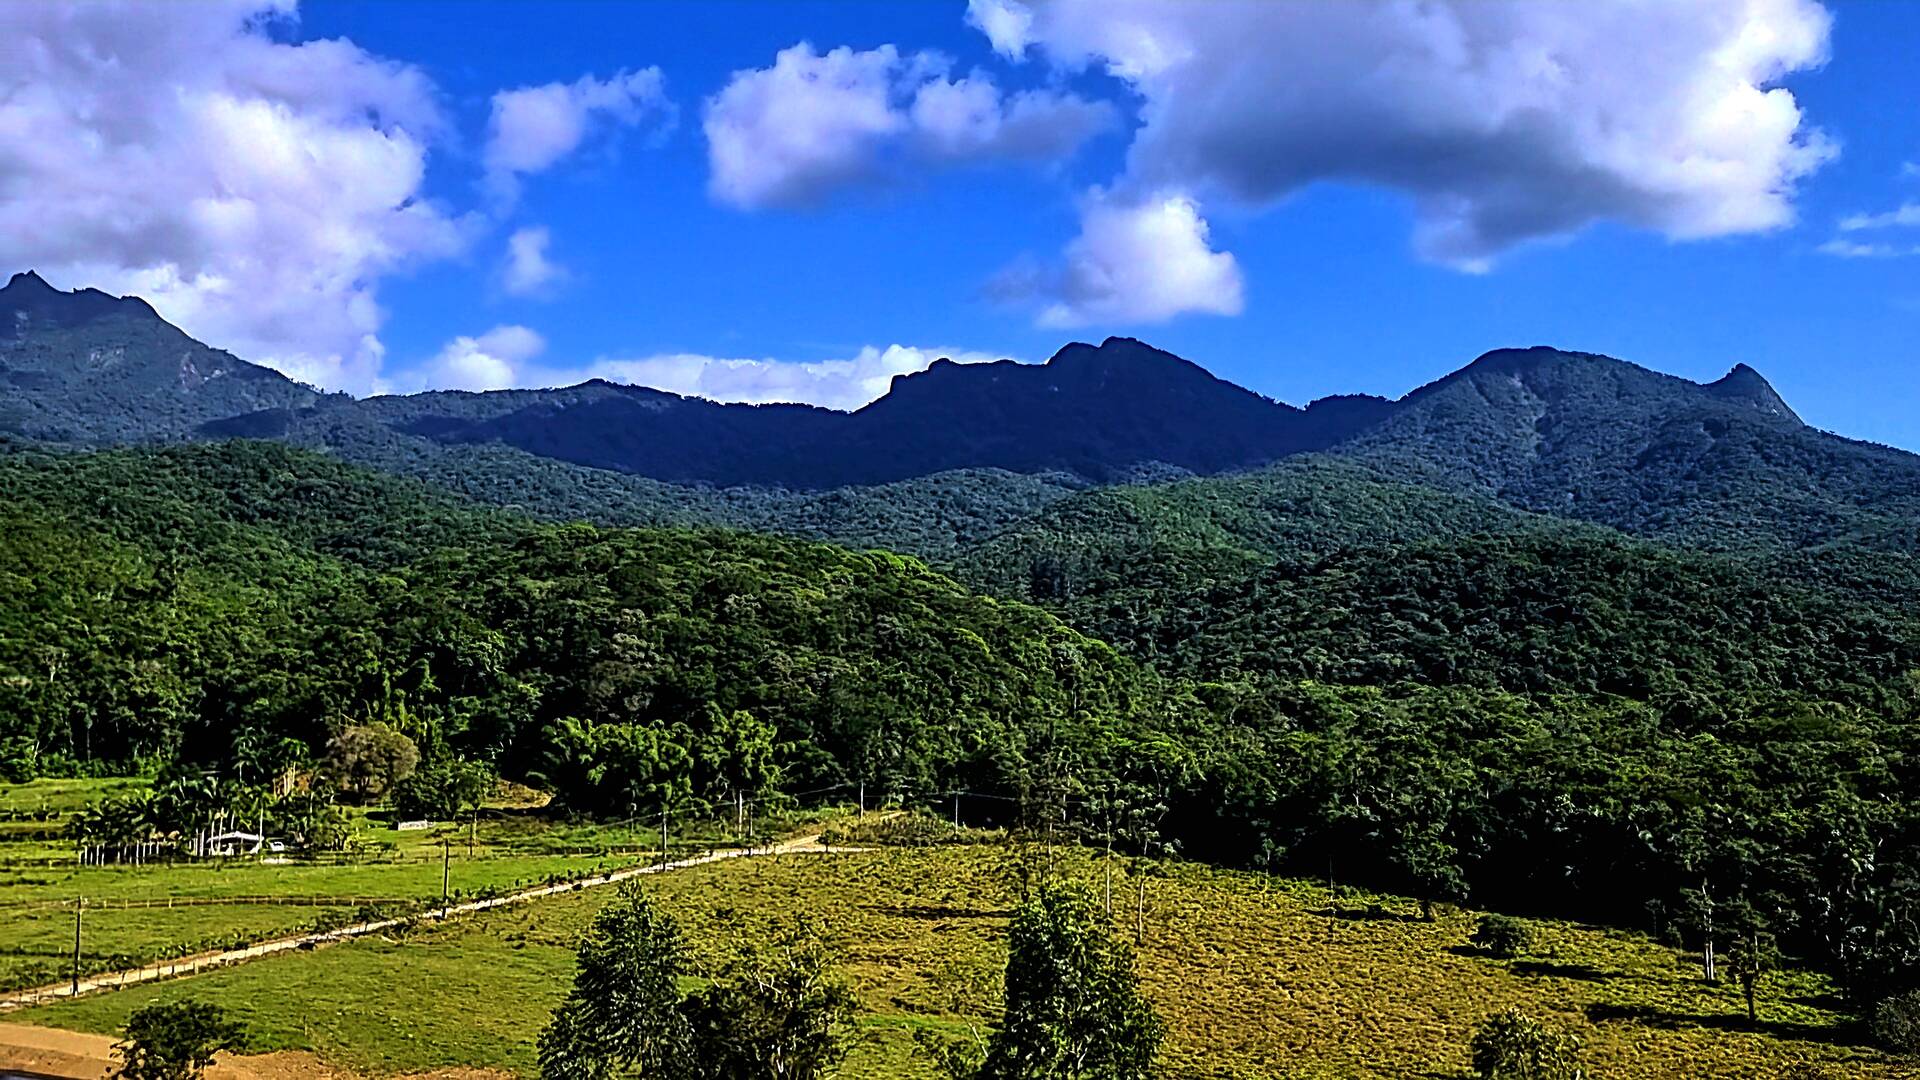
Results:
1135 260
1502 122
532 128
528 271
254 191
1007 24
502 358
493 361
836 384
1851 249
814 123
1910 169
1905 216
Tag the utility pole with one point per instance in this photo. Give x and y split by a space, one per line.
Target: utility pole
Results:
863 797
446 872
1107 863
956 810
79 905
473 831
663 832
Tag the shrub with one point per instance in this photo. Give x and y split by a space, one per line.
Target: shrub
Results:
1502 936
1896 1023
905 830
1514 1046
174 1041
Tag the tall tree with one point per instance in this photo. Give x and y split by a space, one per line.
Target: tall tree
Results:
623 1015
773 1013
1073 1003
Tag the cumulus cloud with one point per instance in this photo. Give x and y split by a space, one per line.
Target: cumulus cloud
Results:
813 123
495 360
255 191
1502 122
1135 260
528 271
533 128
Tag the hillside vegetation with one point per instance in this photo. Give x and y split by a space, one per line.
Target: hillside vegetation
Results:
1684 739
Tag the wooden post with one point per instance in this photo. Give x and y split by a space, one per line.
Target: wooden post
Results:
79 904
956 810
863 798
473 831
446 873
663 833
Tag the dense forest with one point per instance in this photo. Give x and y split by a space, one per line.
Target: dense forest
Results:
1509 711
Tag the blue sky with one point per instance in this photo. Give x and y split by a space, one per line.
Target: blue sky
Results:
1298 280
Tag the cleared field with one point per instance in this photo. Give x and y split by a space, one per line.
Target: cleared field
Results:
1256 976
140 914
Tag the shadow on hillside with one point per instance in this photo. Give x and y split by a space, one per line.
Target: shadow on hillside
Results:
1849 1035
937 911
1537 968
1370 913
1548 969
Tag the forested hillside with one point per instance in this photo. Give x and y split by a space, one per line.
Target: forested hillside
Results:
1555 633
160 601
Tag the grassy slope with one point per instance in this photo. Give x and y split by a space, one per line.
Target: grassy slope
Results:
1254 977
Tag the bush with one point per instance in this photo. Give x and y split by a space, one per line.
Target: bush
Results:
905 830
1502 936
1896 1023
174 1041
1514 1046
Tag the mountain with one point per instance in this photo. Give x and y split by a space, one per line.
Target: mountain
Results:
85 367
1726 464
1108 413
954 455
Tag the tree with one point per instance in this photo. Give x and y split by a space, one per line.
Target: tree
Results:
736 756
1896 1023
1514 1046
443 789
1502 936
1073 1004
175 1040
1752 955
624 1012
773 1014
367 760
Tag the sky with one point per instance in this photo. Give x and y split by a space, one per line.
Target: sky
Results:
758 201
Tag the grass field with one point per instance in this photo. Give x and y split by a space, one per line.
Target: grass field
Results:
39 881
1257 977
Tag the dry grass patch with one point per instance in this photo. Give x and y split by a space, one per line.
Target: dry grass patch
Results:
1256 976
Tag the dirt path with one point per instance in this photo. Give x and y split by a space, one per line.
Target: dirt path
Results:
191 965
74 1055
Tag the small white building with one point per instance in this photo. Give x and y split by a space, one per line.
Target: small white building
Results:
234 843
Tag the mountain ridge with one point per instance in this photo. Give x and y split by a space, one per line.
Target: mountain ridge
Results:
1579 435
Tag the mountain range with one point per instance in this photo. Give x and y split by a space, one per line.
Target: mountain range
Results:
970 449
1124 488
